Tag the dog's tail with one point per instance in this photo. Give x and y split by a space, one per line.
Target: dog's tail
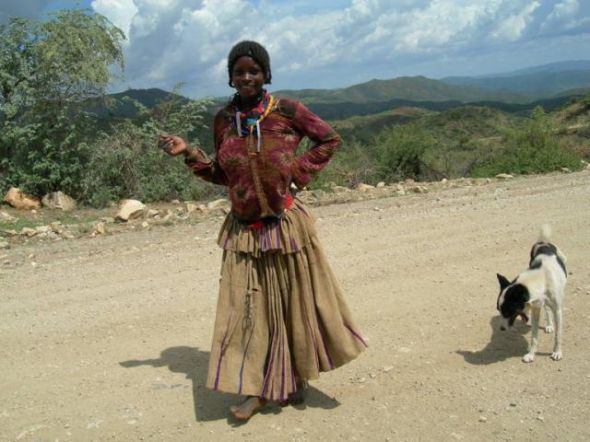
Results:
545 236
545 233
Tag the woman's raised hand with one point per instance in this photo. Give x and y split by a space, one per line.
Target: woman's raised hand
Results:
172 144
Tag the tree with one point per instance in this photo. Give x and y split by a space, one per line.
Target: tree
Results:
48 72
400 152
17 41
75 54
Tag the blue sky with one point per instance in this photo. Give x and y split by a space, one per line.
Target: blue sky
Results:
334 43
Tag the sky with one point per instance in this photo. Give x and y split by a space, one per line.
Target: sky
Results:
332 43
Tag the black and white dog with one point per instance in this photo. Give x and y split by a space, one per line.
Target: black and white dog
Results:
541 285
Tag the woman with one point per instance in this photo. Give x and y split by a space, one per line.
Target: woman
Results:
281 318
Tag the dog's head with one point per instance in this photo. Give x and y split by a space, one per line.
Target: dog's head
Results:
511 301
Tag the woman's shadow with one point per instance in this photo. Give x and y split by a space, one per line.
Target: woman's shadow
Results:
211 405
503 344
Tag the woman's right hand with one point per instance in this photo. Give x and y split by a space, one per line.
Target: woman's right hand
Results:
172 145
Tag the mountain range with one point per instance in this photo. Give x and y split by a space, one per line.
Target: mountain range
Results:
520 86
549 85
534 82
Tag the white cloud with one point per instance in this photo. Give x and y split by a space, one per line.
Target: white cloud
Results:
513 26
565 15
564 10
441 24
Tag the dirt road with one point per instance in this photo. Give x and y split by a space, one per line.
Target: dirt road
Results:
107 338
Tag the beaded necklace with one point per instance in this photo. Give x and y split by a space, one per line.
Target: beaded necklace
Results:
249 121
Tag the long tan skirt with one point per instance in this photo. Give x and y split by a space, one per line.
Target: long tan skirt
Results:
280 312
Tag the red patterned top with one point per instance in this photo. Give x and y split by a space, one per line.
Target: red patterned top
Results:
259 171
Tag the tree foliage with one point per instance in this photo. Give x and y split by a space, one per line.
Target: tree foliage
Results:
126 164
48 72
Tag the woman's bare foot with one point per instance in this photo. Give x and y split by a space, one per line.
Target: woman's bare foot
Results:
248 408
298 396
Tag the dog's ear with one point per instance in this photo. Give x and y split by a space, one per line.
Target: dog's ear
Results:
503 281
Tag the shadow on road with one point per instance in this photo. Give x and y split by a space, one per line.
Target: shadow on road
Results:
208 405
503 344
211 405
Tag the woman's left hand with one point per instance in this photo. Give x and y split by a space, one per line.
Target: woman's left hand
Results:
172 145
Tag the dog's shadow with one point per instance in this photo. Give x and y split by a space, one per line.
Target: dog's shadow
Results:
503 344
211 405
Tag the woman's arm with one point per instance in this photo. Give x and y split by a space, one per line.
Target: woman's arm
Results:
209 170
325 140
196 159
199 162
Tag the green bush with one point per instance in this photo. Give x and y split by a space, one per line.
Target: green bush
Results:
351 164
400 152
125 162
533 148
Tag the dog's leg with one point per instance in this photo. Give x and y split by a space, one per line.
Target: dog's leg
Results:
548 318
535 316
557 354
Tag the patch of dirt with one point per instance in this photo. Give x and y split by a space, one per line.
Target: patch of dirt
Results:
107 338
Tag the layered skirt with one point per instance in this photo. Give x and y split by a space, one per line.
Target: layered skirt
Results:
280 312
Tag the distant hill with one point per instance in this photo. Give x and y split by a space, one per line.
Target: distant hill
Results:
363 128
341 111
548 104
535 82
149 97
482 118
379 113
467 122
402 88
118 106
560 66
574 92
460 121
382 96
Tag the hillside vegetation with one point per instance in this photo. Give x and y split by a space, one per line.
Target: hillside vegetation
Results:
464 141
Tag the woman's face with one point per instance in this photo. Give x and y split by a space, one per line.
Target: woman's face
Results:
247 77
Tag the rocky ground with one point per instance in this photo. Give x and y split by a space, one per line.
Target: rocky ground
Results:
106 336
